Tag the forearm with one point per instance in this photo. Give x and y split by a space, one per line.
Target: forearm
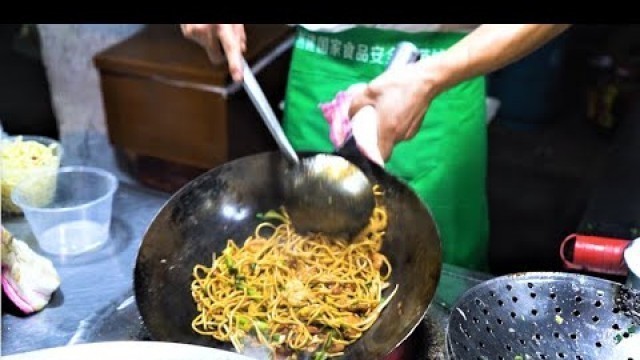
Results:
486 49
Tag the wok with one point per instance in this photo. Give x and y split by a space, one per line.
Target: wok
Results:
223 203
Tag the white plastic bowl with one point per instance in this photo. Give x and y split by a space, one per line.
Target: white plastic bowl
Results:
78 217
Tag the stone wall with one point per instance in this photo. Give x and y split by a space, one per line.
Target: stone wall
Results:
67 53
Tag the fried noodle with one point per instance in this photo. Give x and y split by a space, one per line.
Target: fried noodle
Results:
295 293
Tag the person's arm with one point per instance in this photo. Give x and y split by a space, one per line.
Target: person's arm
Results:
486 49
402 95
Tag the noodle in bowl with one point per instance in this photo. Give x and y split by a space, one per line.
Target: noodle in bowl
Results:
25 157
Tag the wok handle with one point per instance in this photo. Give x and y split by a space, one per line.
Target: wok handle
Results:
404 53
595 254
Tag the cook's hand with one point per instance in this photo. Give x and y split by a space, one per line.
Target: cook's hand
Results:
401 97
232 37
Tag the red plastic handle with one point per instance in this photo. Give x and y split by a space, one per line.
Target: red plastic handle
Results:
594 253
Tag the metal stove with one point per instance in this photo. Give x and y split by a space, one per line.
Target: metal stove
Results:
122 321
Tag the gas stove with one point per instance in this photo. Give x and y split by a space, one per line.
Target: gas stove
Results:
427 342
122 321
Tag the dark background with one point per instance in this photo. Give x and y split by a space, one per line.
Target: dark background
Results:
25 105
563 149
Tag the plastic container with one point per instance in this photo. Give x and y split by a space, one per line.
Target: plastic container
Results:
12 174
78 217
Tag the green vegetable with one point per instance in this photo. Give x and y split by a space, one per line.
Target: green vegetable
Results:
630 330
261 325
228 261
240 285
252 292
320 355
239 282
271 215
243 322
617 339
518 357
329 341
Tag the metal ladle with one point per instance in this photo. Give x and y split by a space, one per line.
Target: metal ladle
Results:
323 193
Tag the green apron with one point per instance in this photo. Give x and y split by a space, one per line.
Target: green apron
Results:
445 163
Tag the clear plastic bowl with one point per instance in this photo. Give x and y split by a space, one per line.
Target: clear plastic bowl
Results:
78 216
11 176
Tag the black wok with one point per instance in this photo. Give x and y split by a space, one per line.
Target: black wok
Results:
223 203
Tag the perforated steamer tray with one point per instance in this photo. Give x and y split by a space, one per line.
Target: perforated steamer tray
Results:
545 316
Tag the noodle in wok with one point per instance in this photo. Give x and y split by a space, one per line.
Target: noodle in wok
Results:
295 293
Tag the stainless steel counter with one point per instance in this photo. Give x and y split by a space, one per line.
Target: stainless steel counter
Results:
89 282
95 301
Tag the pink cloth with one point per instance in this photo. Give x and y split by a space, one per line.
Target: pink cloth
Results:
12 290
28 279
336 112
363 125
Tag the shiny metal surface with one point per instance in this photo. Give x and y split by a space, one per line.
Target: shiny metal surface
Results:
259 100
542 316
223 204
328 194
333 187
96 301
120 320
89 281
628 300
322 194
129 350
